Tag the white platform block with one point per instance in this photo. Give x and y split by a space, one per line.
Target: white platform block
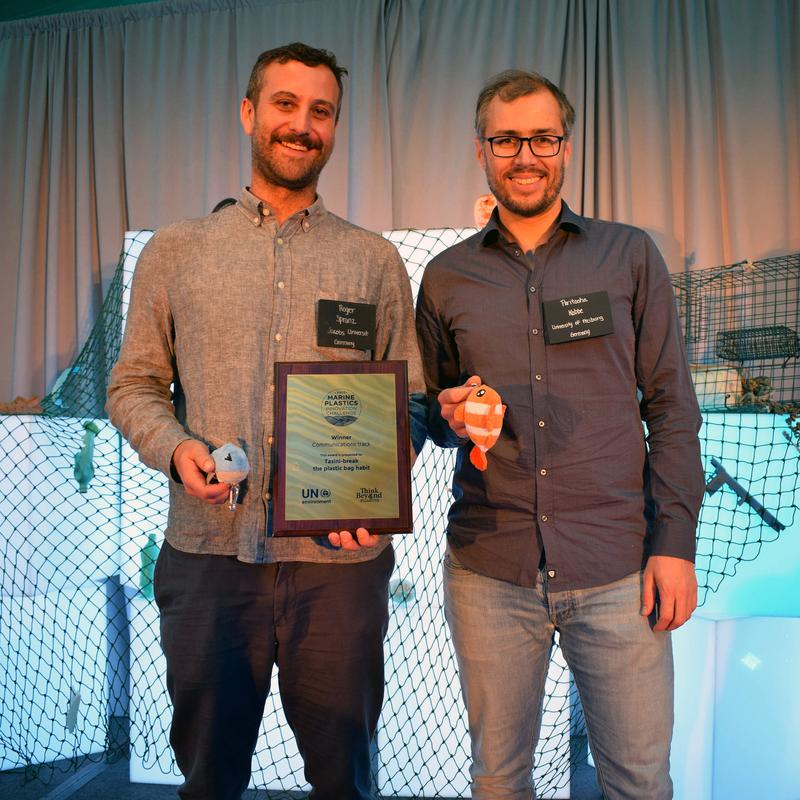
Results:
736 709
56 539
53 654
757 722
151 759
692 756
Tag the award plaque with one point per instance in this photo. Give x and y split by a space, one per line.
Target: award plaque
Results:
342 444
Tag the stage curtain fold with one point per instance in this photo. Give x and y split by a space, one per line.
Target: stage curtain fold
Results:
688 124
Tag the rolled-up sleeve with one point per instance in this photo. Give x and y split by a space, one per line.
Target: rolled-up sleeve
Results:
140 397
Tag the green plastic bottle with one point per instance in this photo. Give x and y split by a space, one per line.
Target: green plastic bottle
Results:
83 466
148 555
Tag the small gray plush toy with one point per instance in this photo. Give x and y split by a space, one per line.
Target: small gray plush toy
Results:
232 467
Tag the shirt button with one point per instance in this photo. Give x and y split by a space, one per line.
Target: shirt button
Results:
541 471
279 240
281 285
541 421
306 226
535 331
551 573
265 212
543 518
531 289
268 496
278 337
538 377
517 253
255 219
269 441
272 387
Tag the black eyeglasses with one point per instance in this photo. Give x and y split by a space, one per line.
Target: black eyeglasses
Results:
543 145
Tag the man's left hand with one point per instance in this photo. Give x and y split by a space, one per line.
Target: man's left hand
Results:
347 541
675 582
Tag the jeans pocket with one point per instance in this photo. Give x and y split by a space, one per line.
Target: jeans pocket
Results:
453 564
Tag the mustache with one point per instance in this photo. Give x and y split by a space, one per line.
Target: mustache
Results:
295 138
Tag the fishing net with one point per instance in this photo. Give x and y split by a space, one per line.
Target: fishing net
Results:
81 521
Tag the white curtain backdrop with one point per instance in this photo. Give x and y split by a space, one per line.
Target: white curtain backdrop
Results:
688 125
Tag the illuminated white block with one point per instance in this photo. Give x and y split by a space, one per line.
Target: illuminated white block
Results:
692 755
132 246
756 732
417 247
150 710
52 649
56 538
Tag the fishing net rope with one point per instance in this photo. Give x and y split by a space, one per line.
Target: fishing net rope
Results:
81 520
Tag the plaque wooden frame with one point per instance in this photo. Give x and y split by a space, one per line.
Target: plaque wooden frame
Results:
322 525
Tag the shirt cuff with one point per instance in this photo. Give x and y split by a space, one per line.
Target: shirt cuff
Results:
418 420
675 543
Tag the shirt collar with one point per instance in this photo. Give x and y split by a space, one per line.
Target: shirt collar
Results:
256 210
568 220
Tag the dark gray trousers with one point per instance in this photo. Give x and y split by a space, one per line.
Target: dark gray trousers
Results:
224 624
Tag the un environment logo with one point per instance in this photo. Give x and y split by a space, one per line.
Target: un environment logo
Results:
341 408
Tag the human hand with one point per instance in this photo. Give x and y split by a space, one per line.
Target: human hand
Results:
345 540
675 582
193 463
451 399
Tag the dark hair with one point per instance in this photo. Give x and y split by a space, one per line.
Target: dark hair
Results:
296 51
514 83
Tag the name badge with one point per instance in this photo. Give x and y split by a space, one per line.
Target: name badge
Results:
341 323
584 316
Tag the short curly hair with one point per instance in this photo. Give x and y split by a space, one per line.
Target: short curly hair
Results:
296 51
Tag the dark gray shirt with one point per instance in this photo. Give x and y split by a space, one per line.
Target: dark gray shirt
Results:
571 482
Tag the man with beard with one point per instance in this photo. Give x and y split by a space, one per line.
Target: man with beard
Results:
579 524
215 303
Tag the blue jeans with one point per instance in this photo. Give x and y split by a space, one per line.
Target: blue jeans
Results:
503 635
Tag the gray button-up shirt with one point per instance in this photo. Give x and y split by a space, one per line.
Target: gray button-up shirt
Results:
215 303
570 481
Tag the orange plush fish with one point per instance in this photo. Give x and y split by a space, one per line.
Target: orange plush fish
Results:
482 414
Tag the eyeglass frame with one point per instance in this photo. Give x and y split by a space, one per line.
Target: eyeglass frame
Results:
520 140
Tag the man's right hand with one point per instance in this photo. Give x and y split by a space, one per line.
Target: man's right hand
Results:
193 463
450 399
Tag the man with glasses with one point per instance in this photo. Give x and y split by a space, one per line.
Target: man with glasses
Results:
582 523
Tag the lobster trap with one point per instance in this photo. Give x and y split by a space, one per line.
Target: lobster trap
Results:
740 325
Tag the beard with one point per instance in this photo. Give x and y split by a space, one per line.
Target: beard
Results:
528 207
286 172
